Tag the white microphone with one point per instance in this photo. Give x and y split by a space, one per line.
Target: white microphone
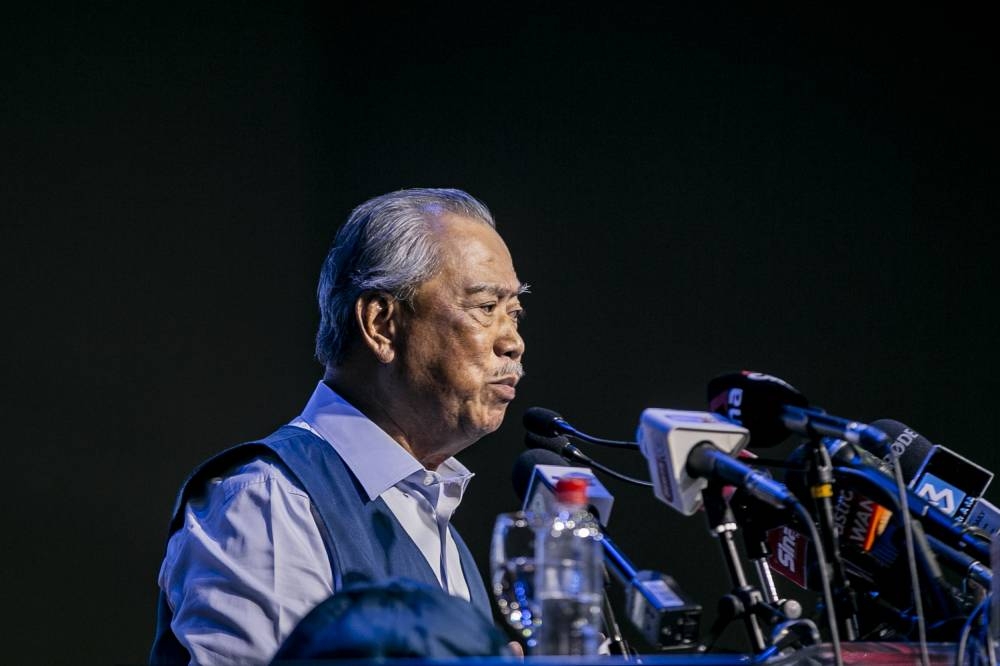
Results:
684 449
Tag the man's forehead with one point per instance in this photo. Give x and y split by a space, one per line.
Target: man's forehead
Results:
443 221
476 257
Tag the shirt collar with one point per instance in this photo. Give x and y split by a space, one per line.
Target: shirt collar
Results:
377 460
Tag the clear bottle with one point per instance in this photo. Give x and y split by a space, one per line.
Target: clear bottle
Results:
569 578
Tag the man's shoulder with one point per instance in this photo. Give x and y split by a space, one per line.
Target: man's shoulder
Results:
259 470
253 466
253 462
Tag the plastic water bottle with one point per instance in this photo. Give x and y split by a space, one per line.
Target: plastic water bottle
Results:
569 579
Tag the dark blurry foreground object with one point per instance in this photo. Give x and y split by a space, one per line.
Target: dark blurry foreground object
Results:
399 618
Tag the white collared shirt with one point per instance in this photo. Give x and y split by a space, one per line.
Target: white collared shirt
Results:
250 561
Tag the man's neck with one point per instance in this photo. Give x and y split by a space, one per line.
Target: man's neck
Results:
367 395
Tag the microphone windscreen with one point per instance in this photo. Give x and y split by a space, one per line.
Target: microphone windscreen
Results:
525 464
912 448
541 421
755 401
554 444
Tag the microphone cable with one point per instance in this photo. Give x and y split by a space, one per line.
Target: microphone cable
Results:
981 609
547 423
546 429
561 446
911 560
618 475
901 504
824 578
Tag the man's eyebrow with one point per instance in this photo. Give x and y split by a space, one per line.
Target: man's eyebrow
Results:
498 290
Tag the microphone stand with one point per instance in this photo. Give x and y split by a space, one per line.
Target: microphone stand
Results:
743 601
756 518
819 477
617 644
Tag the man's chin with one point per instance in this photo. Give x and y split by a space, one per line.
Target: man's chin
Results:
490 423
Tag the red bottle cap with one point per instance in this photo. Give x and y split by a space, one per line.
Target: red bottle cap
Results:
572 490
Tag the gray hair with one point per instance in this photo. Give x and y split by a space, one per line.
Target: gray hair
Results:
385 245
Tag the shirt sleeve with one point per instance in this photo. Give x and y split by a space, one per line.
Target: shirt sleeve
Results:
246 566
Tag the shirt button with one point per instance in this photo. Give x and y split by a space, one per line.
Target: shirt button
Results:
428 480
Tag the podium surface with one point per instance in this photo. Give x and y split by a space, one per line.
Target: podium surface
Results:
861 652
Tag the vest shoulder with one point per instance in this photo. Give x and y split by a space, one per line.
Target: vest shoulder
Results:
259 470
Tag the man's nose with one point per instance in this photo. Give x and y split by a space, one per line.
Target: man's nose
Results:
509 342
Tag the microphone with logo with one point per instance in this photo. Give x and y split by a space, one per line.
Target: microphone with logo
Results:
946 479
683 449
656 606
872 545
690 458
772 410
689 453
943 492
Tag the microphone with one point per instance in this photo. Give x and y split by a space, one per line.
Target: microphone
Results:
657 607
771 409
872 546
910 447
985 516
685 449
561 446
950 481
855 468
534 477
963 563
557 444
866 550
756 520
547 423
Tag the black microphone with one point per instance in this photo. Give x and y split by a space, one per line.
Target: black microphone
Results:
872 543
561 446
547 423
524 468
950 481
910 447
963 563
855 468
707 462
657 607
771 409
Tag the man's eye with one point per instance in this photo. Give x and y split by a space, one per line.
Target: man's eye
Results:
488 308
516 315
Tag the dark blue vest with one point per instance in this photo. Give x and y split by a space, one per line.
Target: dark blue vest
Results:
363 539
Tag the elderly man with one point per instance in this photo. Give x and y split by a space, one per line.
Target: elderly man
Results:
419 307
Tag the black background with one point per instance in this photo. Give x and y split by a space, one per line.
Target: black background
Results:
691 189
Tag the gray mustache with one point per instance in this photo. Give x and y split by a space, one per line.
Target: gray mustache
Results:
510 369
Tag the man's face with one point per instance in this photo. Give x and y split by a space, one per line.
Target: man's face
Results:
460 350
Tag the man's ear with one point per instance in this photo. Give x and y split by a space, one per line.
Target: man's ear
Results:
377 315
